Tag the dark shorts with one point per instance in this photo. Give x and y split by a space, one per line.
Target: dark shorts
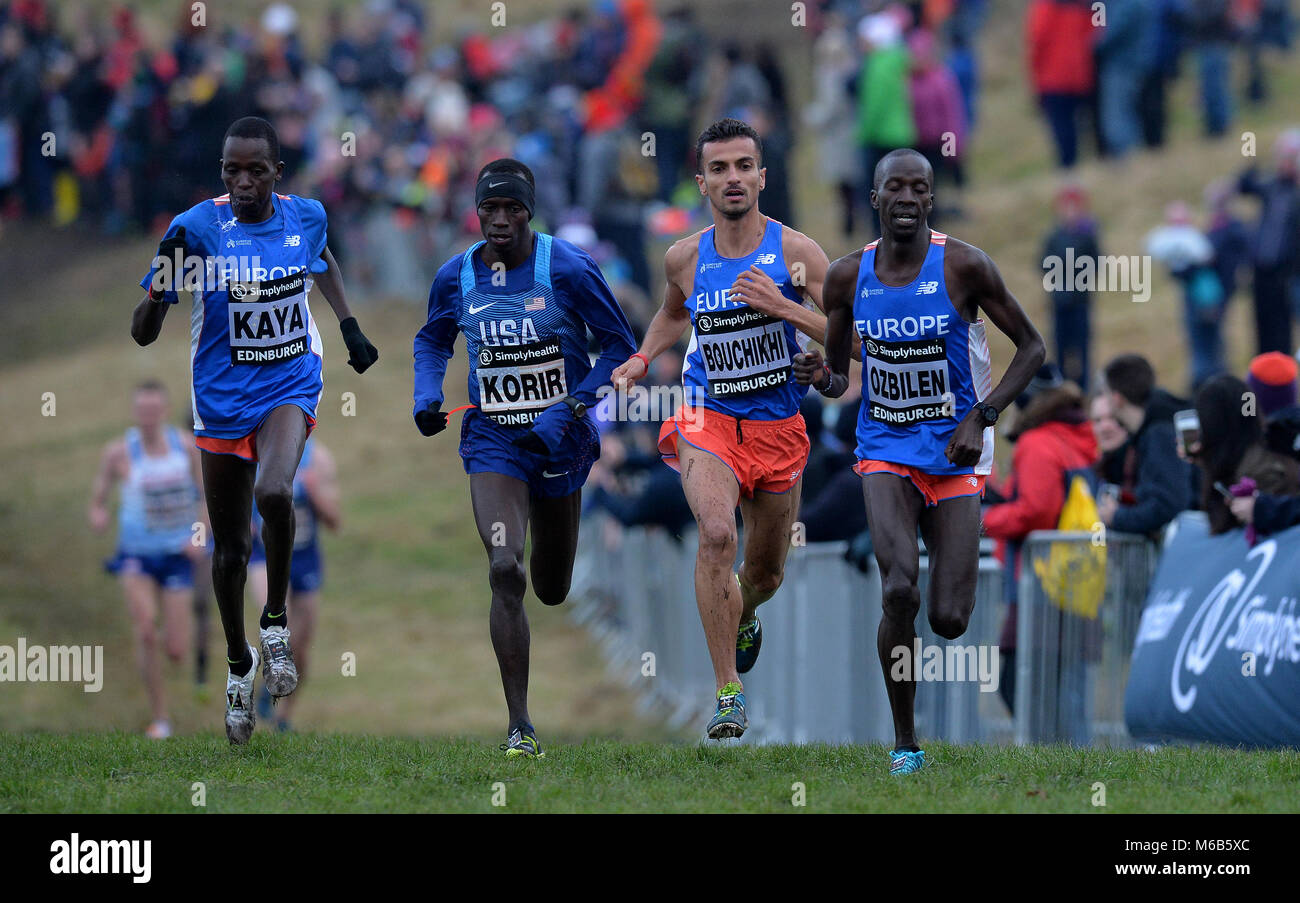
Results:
174 571
488 448
306 567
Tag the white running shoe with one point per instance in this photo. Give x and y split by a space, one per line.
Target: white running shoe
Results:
241 716
278 670
159 730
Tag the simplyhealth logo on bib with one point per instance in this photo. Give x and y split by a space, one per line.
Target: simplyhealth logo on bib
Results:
909 381
743 351
924 367
739 361
268 320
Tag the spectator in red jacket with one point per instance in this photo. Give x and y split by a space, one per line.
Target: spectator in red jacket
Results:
1059 35
1052 435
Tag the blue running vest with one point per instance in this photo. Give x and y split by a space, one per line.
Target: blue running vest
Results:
516 343
256 342
740 361
923 367
159 498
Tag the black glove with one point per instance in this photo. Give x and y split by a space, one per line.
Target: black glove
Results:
167 249
361 354
547 430
431 421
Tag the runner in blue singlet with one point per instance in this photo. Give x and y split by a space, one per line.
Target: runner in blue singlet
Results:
925 437
158 469
524 301
251 258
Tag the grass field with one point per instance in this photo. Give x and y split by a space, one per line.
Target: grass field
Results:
116 772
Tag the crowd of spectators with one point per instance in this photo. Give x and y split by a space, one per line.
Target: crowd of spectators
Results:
387 125
1107 69
381 120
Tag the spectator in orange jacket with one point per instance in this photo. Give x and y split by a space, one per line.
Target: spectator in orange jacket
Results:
1052 435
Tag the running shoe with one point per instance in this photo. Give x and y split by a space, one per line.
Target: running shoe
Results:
240 716
159 730
278 669
905 761
520 744
729 720
749 639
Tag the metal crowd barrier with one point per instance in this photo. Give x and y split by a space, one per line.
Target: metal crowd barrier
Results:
819 676
1072 663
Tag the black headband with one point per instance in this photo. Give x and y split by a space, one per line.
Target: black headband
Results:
505 185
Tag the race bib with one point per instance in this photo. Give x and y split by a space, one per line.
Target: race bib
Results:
168 507
268 320
744 351
518 382
907 382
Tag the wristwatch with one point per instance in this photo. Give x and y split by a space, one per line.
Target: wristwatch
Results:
989 412
578 408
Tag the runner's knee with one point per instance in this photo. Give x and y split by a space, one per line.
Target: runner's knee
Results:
274 499
230 556
718 536
764 582
146 635
948 625
900 599
551 593
506 577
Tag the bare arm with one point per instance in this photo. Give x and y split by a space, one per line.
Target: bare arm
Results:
806 263
147 320
168 265
330 283
837 300
980 286
322 485
110 468
666 327
983 287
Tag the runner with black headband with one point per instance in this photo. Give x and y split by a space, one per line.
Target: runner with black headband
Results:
524 301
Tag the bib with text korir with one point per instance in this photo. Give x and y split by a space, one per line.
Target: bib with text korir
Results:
513 339
739 360
923 367
267 311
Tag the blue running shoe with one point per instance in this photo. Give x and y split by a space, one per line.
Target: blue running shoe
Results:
749 640
905 762
729 720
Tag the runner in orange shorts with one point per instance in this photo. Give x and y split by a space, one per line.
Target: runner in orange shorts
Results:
925 437
739 439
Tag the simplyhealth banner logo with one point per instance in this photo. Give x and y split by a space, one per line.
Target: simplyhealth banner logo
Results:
1217 655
